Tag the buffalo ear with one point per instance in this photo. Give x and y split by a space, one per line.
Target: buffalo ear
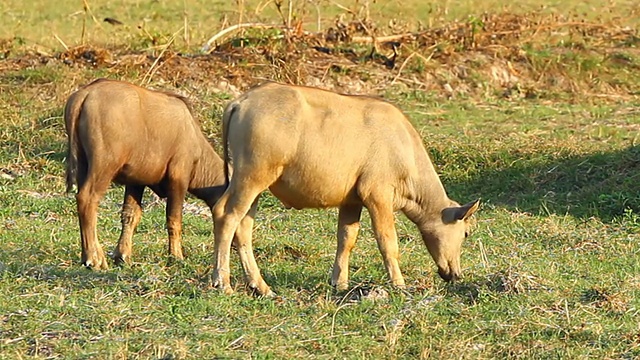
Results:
453 214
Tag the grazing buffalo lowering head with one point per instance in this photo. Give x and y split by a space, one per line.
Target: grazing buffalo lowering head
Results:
119 132
315 149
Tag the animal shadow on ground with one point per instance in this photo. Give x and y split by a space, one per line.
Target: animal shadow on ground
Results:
179 278
601 185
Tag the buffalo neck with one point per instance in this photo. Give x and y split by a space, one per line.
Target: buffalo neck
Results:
425 196
208 181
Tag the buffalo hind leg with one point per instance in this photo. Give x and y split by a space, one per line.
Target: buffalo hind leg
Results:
348 226
87 200
131 214
175 198
244 246
380 206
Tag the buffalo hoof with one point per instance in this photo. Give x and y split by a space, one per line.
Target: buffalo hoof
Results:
261 290
95 261
222 284
121 258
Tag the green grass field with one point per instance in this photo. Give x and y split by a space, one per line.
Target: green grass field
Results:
552 270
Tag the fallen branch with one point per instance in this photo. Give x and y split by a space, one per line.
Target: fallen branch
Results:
207 48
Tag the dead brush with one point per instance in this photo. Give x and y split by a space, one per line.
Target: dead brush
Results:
6 47
86 55
508 55
506 30
507 50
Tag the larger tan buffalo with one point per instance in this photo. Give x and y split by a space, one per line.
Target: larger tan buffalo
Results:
139 138
316 149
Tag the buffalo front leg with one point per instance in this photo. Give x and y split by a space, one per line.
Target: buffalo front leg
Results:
175 199
348 226
244 246
227 215
381 211
87 200
130 216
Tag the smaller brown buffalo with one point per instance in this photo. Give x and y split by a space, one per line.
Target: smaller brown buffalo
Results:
317 149
119 132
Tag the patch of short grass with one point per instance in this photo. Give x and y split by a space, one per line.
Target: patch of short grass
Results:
542 277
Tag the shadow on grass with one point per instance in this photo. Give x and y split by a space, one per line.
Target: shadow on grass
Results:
139 279
80 277
506 282
54 154
599 185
